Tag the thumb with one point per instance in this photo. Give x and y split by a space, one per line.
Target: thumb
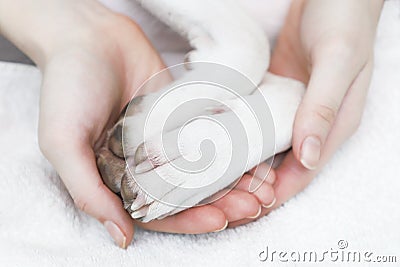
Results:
329 82
77 168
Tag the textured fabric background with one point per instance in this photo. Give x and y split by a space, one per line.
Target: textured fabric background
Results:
355 198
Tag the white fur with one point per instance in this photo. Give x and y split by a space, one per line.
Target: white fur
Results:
219 32
263 141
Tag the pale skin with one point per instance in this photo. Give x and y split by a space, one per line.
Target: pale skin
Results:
87 82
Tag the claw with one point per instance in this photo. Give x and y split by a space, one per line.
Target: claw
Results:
145 166
140 213
140 155
138 203
141 200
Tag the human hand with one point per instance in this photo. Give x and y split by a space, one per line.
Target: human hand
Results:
89 74
329 46
87 80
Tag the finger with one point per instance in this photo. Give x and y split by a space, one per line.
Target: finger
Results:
264 172
237 223
77 168
196 220
208 218
238 205
264 192
292 177
333 72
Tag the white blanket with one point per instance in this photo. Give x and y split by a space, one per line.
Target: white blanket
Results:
355 198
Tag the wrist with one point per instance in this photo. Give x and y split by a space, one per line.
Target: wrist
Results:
50 25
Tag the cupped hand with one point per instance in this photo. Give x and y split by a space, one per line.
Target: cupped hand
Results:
88 77
86 83
328 45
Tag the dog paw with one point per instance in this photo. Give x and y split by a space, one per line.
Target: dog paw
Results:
182 167
175 169
161 166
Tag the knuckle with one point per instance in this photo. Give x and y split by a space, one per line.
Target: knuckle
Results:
83 202
326 113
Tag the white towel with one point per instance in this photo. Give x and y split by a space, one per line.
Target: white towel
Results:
355 198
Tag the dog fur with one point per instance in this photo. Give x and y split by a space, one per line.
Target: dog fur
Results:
132 161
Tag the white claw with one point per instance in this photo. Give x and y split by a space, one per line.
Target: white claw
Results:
145 166
139 202
140 212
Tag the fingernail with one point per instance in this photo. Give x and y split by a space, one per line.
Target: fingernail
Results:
270 205
144 167
255 216
310 152
223 228
116 234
